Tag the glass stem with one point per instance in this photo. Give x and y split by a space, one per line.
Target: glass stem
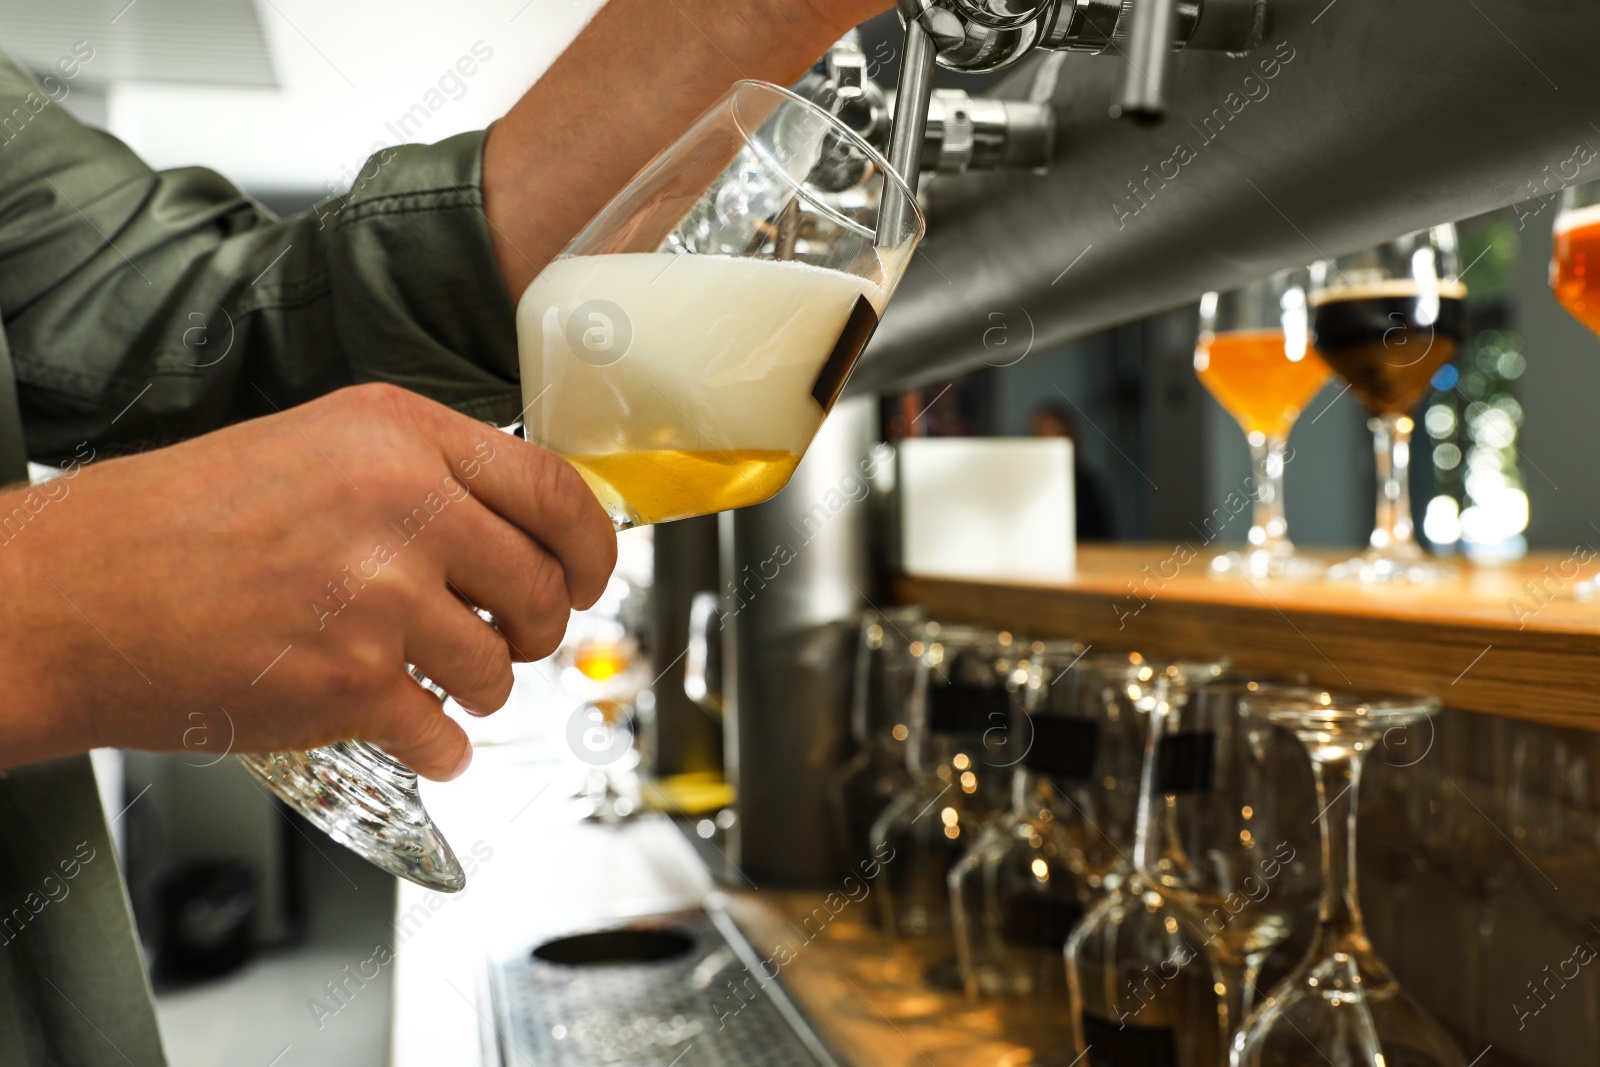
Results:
1235 992
1479 976
1339 927
1269 530
1391 442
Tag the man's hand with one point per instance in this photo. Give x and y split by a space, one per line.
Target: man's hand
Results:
631 83
281 573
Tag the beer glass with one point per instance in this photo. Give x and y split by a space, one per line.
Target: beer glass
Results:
1233 813
1142 987
960 707
880 724
680 353
1013 895
1254 355
1385 320
1341 1004
1575 258
1575 280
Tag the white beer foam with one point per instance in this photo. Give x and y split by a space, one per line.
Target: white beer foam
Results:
690 352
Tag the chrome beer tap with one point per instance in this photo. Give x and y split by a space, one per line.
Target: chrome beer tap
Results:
963 133
985 35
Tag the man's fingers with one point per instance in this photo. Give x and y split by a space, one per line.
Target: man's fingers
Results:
414 729
502 570
461 653
541 494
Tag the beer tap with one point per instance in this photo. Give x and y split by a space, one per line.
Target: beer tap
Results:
985 35
963 133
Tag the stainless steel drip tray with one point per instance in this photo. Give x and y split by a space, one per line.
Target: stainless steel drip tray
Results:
675 990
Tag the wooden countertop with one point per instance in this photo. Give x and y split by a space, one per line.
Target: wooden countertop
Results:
1506 640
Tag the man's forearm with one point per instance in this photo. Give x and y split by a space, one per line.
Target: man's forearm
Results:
631 82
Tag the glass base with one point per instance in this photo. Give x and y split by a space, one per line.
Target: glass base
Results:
368 803
1264 563
1375 567
1343 1009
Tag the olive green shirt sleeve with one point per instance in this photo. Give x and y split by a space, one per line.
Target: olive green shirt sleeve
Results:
145 306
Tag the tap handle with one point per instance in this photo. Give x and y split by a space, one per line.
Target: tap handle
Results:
846 68
1149 47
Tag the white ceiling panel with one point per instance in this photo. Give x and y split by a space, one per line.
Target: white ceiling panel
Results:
216 42
346 75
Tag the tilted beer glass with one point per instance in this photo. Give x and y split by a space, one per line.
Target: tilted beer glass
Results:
681 354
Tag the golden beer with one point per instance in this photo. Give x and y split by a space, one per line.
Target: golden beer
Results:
667 484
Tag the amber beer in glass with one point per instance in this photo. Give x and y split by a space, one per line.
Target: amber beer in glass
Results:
1254 355
1575 260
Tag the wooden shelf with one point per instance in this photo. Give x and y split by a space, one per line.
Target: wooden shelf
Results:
1507 640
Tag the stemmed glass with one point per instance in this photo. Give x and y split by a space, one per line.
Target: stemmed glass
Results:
681 353
1232 812
1013 895
960 705
880 723
1142 987
1254 355
1340 1005
1385 320
1575 278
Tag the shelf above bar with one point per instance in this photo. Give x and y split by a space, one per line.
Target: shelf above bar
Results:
1506 640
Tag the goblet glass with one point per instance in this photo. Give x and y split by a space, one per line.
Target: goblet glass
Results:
1341 1004
880 724
681 353
960 705
1232 812
1385 320
1142 987
1575 280
1013 895
1254 355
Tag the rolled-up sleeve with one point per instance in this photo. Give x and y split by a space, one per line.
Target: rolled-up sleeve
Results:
142 307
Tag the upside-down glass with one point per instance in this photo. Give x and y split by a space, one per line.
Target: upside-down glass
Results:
1142 988
1254 355
1341 1004
880 724
1233 815
1385 320
960 707
680 353
1014 895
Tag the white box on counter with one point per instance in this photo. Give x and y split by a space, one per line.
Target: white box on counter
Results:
987 507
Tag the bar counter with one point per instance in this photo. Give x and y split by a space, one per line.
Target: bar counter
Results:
1477 641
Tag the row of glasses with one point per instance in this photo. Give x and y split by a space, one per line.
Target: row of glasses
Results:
1384 319
1223 862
